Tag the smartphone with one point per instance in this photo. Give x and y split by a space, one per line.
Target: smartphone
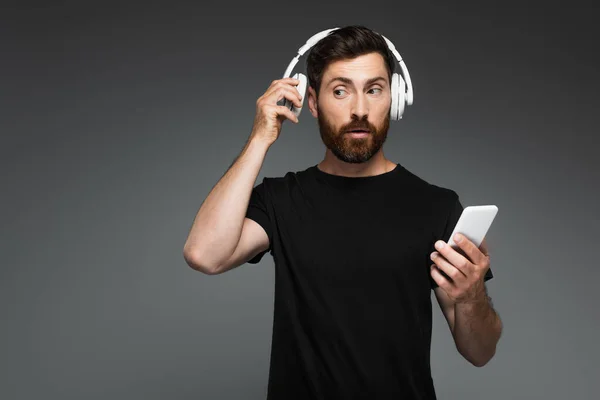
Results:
474 222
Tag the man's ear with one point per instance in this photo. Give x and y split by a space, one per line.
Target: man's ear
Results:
312 101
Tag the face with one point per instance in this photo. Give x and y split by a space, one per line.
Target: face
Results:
359 101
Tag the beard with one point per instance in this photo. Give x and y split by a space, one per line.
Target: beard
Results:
349 149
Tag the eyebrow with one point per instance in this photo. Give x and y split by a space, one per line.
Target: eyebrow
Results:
349 81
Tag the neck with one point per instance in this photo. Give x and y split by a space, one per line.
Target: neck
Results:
378 164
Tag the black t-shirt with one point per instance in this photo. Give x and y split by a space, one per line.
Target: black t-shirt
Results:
352 313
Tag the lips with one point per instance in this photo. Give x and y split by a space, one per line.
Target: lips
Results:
358 131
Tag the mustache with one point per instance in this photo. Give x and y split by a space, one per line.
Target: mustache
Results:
362 126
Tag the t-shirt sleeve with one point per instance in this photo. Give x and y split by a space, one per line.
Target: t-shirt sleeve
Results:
455 211
258 212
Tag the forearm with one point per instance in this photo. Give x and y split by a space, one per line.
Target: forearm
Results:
217 227
477 329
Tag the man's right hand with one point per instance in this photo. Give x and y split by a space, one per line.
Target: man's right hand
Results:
269 115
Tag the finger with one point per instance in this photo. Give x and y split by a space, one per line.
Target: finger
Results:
484 248
285 82
469 248
286 112
287 93
454 256
448 268
287 79
279 86
439 278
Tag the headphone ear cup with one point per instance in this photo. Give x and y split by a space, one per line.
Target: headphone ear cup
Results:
301 88
394 88
401 96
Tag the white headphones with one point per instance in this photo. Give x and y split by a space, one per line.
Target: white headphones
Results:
402 92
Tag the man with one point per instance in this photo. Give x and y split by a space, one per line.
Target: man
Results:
352 239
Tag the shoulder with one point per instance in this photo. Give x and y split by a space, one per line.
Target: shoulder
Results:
435 192
290 177
283 183
444 193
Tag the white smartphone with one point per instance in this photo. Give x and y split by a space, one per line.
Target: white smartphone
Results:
474 222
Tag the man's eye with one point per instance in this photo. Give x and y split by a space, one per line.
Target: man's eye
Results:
336 91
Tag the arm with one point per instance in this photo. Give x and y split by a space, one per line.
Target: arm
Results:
477 329
217 228
475 326
221 236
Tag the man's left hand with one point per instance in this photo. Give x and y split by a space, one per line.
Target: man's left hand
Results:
466 266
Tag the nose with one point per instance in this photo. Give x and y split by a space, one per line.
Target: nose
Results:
360 106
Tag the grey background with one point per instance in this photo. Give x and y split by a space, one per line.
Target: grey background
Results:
117 121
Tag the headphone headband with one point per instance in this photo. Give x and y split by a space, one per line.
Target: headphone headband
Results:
315 38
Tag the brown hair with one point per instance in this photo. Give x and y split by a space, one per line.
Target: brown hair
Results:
345 43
